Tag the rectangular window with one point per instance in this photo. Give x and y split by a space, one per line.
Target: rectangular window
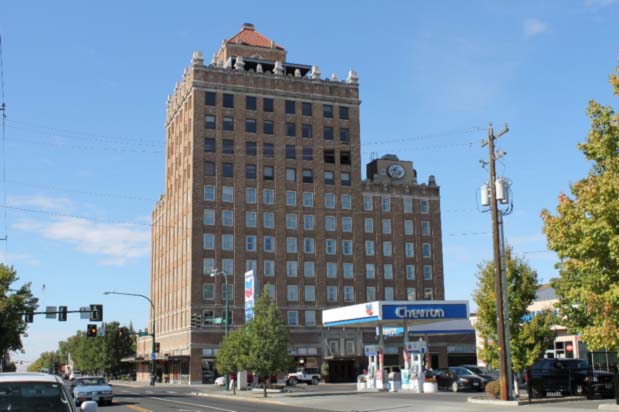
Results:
227 294
250 219
291 175
310 318
309 293
343 113
386 226
228 100
306 109
344 135
250 243
329 200
346 224
344 157
208 265
308 176
306 131
427 250
267 172
250 125
347 270
331 246
267 150
367 202
271 292
425 228
291 221
309 269
427 272
228 124
291 268
424 206
267 127
308 153
210 98
227 169
331 293
210 145
349 294
331 270
368 225
293 318
209 217
387 249
250 102
227 194
411 294
308 222
409 249
329 178
408 227
327 110
210 122
250 195
291 129
370 271
209 193
329 156
388 293
267 104
308 245
227 242
227 265
268 220
269 244
428 294
268 197
369 248
370 294
251 265
227 218
346 201
347 247
228 146
330 223
388 271
251 149
345 178
250 172
308 199
208 291
269 268
408 205
386 204
291 245
291 198
292 293
327 133
291 152
208 241
290 106
209 168
410 272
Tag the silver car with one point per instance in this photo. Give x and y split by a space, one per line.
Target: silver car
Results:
92 388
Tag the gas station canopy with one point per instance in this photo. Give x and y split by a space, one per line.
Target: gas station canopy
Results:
395 313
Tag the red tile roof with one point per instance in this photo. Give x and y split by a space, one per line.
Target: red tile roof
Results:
250 37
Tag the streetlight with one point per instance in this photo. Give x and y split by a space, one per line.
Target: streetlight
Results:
214 273
152 307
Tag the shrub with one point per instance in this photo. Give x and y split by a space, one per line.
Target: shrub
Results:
324 371
493 390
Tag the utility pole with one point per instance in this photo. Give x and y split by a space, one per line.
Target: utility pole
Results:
504 379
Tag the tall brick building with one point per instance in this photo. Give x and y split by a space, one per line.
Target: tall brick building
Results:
263 171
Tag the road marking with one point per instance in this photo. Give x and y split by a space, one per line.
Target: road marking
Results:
138 408
194 404
149 392
170 391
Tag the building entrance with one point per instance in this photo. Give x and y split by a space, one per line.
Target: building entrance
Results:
342 371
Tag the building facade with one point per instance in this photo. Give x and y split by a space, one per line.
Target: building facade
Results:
263 172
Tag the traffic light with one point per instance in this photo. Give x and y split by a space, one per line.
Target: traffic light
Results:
196 320
91 331
96 313
29 317
157 347
62 313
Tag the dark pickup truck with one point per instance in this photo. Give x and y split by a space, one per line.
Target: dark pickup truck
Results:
569 377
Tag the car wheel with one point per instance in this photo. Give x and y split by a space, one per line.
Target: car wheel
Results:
315 381
293 381
454 387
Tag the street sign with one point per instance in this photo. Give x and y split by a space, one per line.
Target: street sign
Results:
84 312
218 321
153 356
50 312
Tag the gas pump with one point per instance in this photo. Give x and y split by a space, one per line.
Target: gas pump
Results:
413 374
374 377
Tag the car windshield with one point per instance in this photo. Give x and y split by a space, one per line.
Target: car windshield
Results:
461 372
33 397
90 382
475 369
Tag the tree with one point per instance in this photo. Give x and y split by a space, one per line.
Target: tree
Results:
585 234
528 340
14 303
50 360
233 353
268 340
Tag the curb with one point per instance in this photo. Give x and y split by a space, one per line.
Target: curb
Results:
496 402
525 402
608 407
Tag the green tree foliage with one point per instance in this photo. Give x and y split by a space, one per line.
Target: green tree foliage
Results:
232 355
585 234
14 302
528 340
49 360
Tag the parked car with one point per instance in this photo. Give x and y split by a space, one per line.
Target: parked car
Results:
37 392
458 379
221 381
75 374
92 388
569 377
311 376
482 372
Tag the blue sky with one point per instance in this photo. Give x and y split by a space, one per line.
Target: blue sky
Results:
86 85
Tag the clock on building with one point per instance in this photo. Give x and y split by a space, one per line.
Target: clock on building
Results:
396 171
